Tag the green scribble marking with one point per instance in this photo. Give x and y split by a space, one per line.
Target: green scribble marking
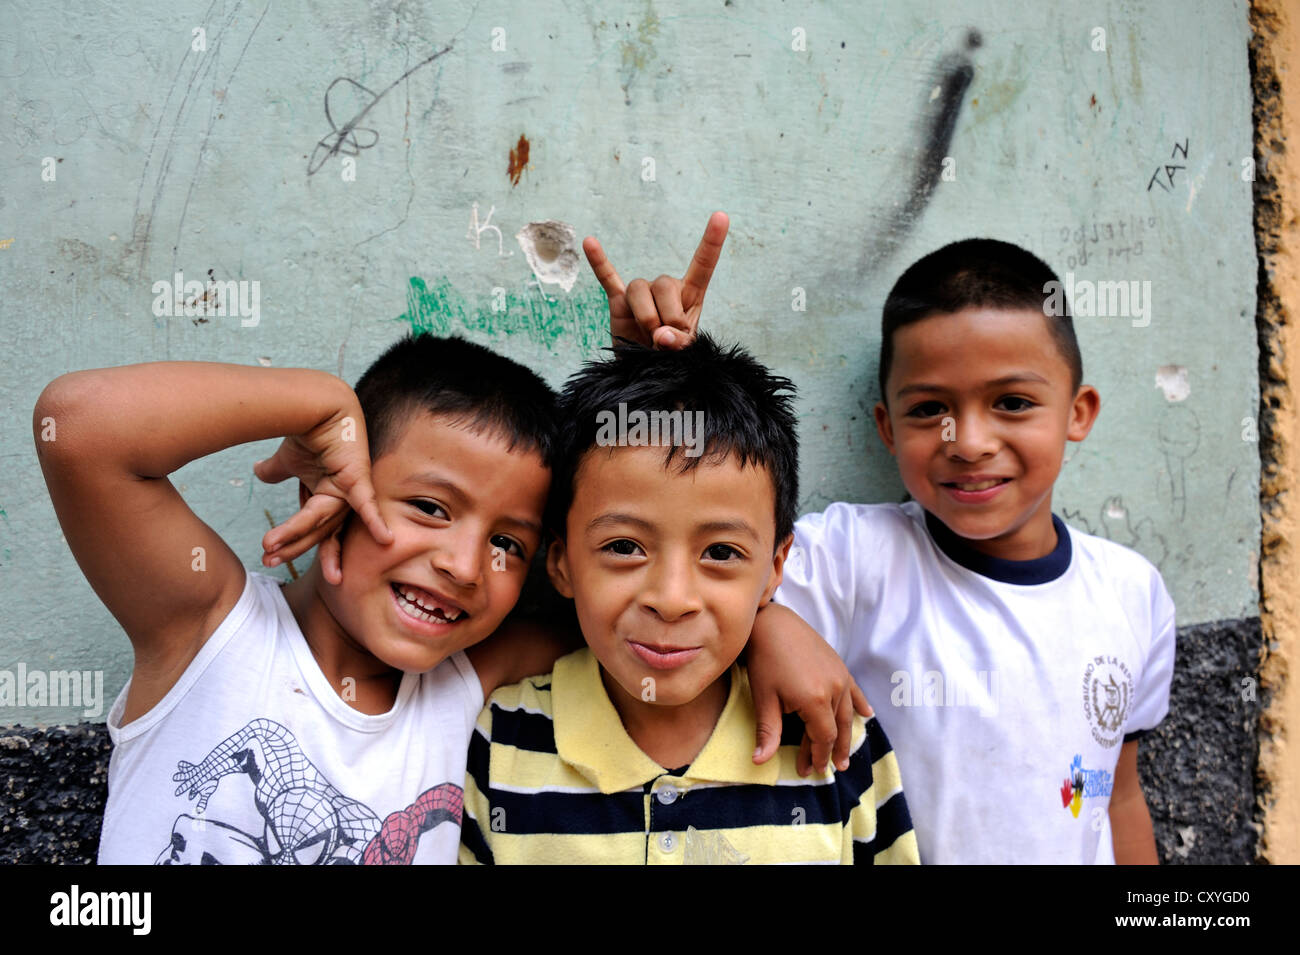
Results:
440 309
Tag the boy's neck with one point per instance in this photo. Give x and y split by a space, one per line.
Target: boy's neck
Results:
670 735
372 686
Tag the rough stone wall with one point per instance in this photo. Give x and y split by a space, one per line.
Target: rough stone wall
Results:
1274 44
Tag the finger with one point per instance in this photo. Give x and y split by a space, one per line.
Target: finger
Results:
274 469
324 514
641 302
803 762
301 545
860 701
819 725
844 732
604 269
671 338
318 509
322 533
362 498
705 260
767 710
667 292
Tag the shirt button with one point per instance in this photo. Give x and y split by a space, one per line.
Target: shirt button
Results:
668 842
667 795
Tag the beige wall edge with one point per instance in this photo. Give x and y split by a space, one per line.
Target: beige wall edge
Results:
1275 45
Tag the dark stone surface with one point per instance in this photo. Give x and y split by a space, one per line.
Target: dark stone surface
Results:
1198 766
53 783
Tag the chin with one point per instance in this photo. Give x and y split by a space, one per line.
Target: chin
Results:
416 661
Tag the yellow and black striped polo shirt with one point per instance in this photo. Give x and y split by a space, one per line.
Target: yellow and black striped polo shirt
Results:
553 777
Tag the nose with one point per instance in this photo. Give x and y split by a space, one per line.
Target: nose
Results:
671 591
975 437
458 554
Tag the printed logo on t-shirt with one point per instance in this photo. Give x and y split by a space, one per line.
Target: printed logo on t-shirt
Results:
305 819
1084 784
1107 692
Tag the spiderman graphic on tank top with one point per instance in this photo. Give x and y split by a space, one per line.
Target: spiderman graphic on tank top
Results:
306 821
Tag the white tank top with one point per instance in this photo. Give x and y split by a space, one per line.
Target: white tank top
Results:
252 758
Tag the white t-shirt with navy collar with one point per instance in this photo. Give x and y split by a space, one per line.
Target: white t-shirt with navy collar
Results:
1007 687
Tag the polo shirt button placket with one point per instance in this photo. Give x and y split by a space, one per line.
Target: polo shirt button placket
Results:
664 814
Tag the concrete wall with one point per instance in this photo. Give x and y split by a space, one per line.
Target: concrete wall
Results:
371 169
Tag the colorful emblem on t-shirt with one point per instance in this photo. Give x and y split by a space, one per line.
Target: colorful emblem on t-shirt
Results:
1084 783
1107 693
306 821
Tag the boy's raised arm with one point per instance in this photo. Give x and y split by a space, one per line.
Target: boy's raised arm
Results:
107 439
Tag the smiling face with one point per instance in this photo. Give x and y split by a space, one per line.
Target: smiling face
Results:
667 570
466 515
979 409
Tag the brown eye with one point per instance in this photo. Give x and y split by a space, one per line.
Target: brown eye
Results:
1014 403
926 409
509 545
721 552
622 547
432 508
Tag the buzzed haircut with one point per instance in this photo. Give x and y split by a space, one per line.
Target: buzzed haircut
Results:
748 415
976 273
460 380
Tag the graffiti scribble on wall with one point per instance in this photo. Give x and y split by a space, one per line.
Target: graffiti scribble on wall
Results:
349 139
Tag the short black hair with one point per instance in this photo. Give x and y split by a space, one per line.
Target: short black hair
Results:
976 273
461 380
748 415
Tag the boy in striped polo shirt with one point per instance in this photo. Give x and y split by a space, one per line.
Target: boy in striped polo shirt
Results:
673 504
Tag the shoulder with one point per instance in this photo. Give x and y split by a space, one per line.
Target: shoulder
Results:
1107 570
862 518
1113 566
850 529
531 694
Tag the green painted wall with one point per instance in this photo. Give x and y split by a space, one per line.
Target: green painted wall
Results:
822 132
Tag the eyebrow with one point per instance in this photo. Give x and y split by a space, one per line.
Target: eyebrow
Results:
429 479
608 520
1017 378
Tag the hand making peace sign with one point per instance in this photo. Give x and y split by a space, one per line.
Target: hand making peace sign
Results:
666 312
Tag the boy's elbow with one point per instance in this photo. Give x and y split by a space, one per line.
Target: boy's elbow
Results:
60 412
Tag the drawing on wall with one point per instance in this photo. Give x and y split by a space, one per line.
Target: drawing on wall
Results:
349 139
1178 436
1168 169
1115 522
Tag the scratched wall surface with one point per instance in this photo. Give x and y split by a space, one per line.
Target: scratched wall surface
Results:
369 168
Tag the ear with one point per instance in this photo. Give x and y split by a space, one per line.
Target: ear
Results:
884 426
330 554
1083 412
778 570
557 567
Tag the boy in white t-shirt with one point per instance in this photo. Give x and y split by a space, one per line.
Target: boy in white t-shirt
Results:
1014 661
